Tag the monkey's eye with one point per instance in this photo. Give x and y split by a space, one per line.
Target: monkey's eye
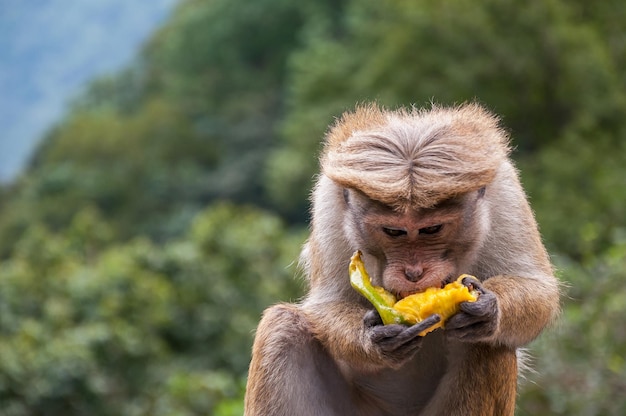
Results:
434 229
393 232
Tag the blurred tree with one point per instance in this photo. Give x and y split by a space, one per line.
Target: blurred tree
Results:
581 365
199 107
124 92
137 328
74 337
148 162
546 72
578 187
224 63
249 254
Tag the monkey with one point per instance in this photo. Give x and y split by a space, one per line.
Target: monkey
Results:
426 195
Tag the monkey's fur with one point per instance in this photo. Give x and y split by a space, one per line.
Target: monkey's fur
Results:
426 195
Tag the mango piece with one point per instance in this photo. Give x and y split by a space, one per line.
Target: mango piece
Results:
414 308
445 302
382 300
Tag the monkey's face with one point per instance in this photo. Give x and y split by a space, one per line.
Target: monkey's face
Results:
418 249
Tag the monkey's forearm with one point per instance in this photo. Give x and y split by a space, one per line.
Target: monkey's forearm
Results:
526 306
339 326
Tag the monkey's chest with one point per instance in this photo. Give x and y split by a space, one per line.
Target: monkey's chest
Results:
409 387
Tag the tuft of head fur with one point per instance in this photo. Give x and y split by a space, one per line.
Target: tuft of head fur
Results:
410 158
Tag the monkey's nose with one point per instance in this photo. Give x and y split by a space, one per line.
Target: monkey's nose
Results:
413 273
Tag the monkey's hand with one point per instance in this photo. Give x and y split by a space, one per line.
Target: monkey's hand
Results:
396 343
476 321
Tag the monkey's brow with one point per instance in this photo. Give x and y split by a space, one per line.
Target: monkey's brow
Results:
443 211
451 204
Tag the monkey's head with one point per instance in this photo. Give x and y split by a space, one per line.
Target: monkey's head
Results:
414 185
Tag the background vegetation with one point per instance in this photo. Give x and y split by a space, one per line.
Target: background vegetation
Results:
165 212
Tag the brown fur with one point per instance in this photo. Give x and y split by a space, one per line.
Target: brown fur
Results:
401 169
415 158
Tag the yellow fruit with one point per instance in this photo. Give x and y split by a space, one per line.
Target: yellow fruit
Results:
414 308
445 302
387 297
382 300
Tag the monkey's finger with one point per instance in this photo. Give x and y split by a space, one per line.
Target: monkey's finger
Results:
404 343
473 284
462 320
382 333
472 333
398 335
372 318
408 339
426 323
485 306
474 327
414 331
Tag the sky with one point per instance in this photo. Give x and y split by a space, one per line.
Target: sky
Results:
49 50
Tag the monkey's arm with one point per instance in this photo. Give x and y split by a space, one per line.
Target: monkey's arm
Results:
526 306
511 311
290 372
522 292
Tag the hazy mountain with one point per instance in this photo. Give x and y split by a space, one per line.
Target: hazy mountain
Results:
49 49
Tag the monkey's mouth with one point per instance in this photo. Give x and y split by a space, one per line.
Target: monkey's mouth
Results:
404 293
401 294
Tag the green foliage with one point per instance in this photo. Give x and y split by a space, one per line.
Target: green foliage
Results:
546 71
74 334
126 166
224 63
138 328
581 364
578 187
127 287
